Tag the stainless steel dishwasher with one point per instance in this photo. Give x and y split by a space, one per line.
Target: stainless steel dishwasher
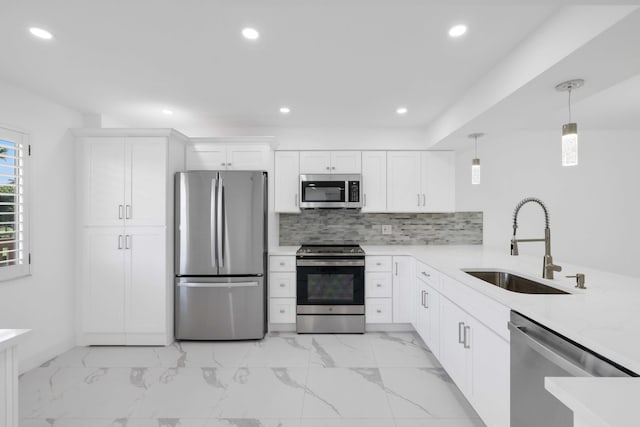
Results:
538 352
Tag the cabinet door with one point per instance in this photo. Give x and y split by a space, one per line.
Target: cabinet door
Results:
206 156
404 282
103 276
491 375
146 185
422 315
455 358
438 181
103 165
374 181
286 181
346 162
315 162
247 157
147 282
403 181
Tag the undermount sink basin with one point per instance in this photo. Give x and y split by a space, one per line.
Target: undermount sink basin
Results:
513 282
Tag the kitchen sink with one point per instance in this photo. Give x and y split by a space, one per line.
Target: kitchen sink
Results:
513 282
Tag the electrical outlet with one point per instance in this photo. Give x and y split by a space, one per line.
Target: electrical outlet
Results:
386 229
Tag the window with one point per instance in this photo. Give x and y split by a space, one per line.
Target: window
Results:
14 223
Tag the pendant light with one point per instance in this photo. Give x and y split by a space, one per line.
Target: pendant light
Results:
475 163
570 130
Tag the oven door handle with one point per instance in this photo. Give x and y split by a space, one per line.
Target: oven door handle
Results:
329 263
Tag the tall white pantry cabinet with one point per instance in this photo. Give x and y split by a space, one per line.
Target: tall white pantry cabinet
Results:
125 215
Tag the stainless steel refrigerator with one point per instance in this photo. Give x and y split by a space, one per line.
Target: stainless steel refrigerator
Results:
221 255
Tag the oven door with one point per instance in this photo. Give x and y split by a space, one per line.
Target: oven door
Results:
330 282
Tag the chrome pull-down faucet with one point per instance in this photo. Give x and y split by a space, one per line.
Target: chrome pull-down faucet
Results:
548 267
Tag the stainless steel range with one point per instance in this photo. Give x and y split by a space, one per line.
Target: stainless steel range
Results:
330 289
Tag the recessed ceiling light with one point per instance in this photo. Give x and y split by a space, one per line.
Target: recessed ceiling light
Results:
250 33
285 110
457 30
40 33
167 112
402 110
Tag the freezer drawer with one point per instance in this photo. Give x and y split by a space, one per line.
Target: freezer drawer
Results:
220 308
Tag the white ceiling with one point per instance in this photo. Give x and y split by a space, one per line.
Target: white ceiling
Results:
336 63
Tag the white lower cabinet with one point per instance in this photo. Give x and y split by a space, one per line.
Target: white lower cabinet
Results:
125 286
404 284
428 316
378 310
478 361
282 289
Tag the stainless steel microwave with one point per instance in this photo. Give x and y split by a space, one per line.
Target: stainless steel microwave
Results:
329 191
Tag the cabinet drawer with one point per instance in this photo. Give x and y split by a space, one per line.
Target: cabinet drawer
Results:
282 263
282 310
282 285
428 275
378 263
378 310
378 285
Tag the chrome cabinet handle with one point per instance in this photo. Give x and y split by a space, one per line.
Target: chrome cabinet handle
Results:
418 198
282 285
460 327
222 164
120 211
128 212
396 268
379 311
379 285
333 168
364 199
466 344
282 264
282 311
424 199
422 298
119 241
295 200
328 168
426 274
426 299
127 241
228 164
378 263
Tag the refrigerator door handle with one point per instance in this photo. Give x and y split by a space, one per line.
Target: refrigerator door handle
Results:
222 223
213 223
218 285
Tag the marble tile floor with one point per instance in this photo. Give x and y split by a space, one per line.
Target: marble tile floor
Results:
286 380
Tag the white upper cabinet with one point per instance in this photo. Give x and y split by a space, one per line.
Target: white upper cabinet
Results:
403 181
120 179
214 154
438 181
420 181
339 162
374 181
286 181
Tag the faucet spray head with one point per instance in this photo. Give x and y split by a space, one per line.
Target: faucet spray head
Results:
514 246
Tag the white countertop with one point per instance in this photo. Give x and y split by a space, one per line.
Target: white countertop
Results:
10 337
606 402
602 317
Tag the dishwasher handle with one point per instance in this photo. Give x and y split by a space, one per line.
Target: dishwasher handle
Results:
546 352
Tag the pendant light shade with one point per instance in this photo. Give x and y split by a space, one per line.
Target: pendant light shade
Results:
475 163
570 130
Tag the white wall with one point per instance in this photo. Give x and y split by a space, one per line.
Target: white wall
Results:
593 206
44 301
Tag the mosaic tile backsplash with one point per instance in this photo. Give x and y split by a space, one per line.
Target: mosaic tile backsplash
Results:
327 226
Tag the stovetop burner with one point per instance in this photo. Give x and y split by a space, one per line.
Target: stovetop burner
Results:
330 250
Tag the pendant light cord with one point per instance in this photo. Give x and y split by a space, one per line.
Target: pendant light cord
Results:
476 144
569 104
